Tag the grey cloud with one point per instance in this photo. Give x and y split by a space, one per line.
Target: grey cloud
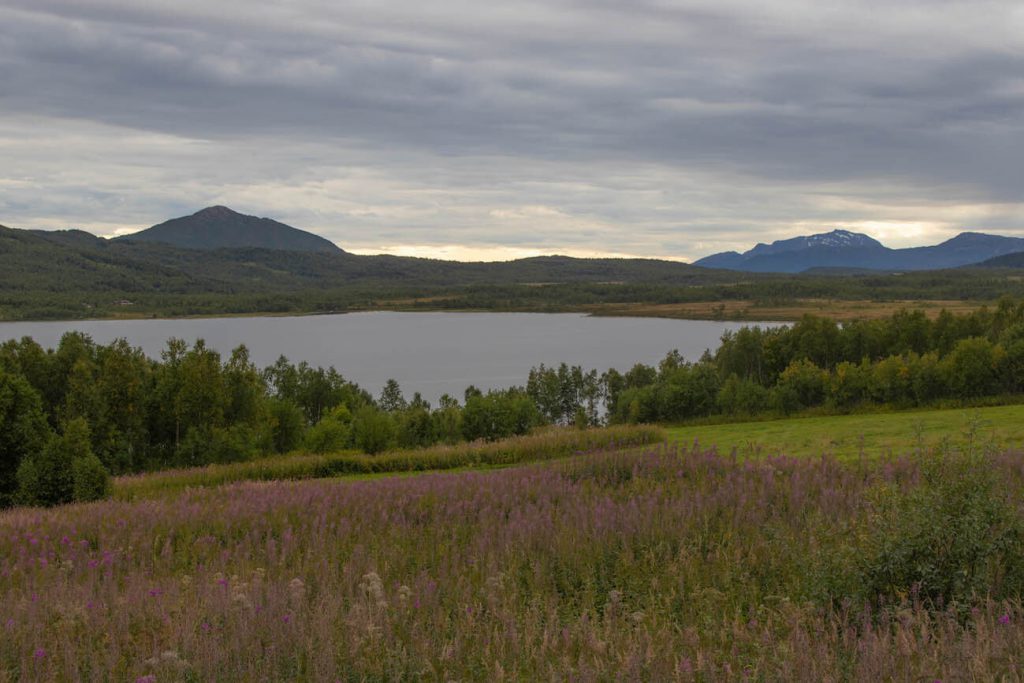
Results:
647 125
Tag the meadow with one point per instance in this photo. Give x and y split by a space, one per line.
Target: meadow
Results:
867 435
665 563
545 444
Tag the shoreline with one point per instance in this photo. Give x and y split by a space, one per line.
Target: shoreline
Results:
718 311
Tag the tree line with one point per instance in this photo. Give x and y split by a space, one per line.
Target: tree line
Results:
121 412
73 415
903 361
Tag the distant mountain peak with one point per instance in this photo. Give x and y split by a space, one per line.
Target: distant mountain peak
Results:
219 227
217 211
845 250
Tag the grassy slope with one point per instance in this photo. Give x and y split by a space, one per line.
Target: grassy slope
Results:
843 436
673 565
846 436
544 445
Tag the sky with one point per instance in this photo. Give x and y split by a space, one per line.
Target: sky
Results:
484 130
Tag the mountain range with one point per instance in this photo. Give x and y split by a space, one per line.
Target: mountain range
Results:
846 250
218 261
218 227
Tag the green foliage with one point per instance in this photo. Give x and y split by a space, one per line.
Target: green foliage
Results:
956 537
972 367
373 431
742 397
23 430
544 444
801 385
417 428
90 479
330 434
498 415
287 424
391 398
48 477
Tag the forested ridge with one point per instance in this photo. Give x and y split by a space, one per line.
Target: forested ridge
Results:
74 275
71 415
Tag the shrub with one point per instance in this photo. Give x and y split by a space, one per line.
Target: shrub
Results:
288 424
326 436
90 479
742 397
372 430
953 538
971 368
801 385
498 415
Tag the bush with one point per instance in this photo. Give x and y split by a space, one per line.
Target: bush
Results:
498 415
971 368
742 397
64 470
801 385
954 538
90 480
288 422
372 430
327 436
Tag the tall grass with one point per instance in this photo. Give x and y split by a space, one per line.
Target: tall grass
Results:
543 445
669 564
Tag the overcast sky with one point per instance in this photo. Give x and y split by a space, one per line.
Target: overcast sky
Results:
480 129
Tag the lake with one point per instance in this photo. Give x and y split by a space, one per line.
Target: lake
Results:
432 353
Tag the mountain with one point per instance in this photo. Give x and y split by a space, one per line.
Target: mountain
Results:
1014 260
218 227
841 249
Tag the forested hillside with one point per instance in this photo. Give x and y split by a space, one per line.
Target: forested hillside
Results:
72 275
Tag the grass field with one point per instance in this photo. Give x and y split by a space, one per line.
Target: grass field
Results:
544 445
873 435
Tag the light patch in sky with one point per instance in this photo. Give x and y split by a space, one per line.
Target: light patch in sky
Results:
458 252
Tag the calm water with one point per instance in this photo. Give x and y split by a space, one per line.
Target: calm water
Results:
433 353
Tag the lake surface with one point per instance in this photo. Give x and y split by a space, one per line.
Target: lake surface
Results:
432 353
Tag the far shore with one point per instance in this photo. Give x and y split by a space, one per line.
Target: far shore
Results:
726 311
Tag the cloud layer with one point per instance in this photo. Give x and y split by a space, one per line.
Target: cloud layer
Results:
488 130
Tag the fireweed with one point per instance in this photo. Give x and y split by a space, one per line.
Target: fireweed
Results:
670 564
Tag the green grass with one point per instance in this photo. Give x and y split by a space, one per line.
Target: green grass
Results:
544 445
873 435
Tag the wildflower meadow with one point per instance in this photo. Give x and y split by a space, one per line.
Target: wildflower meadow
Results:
667 563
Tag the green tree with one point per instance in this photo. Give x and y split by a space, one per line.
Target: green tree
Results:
23 430
972 368
801 385
742 397
848 384
391 399
330 434
48 477
288 424
373 430
498 414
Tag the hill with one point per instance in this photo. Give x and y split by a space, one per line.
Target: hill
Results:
1014 260
218 227
841 249
72 274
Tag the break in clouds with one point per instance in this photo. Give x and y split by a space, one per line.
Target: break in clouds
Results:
466 129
